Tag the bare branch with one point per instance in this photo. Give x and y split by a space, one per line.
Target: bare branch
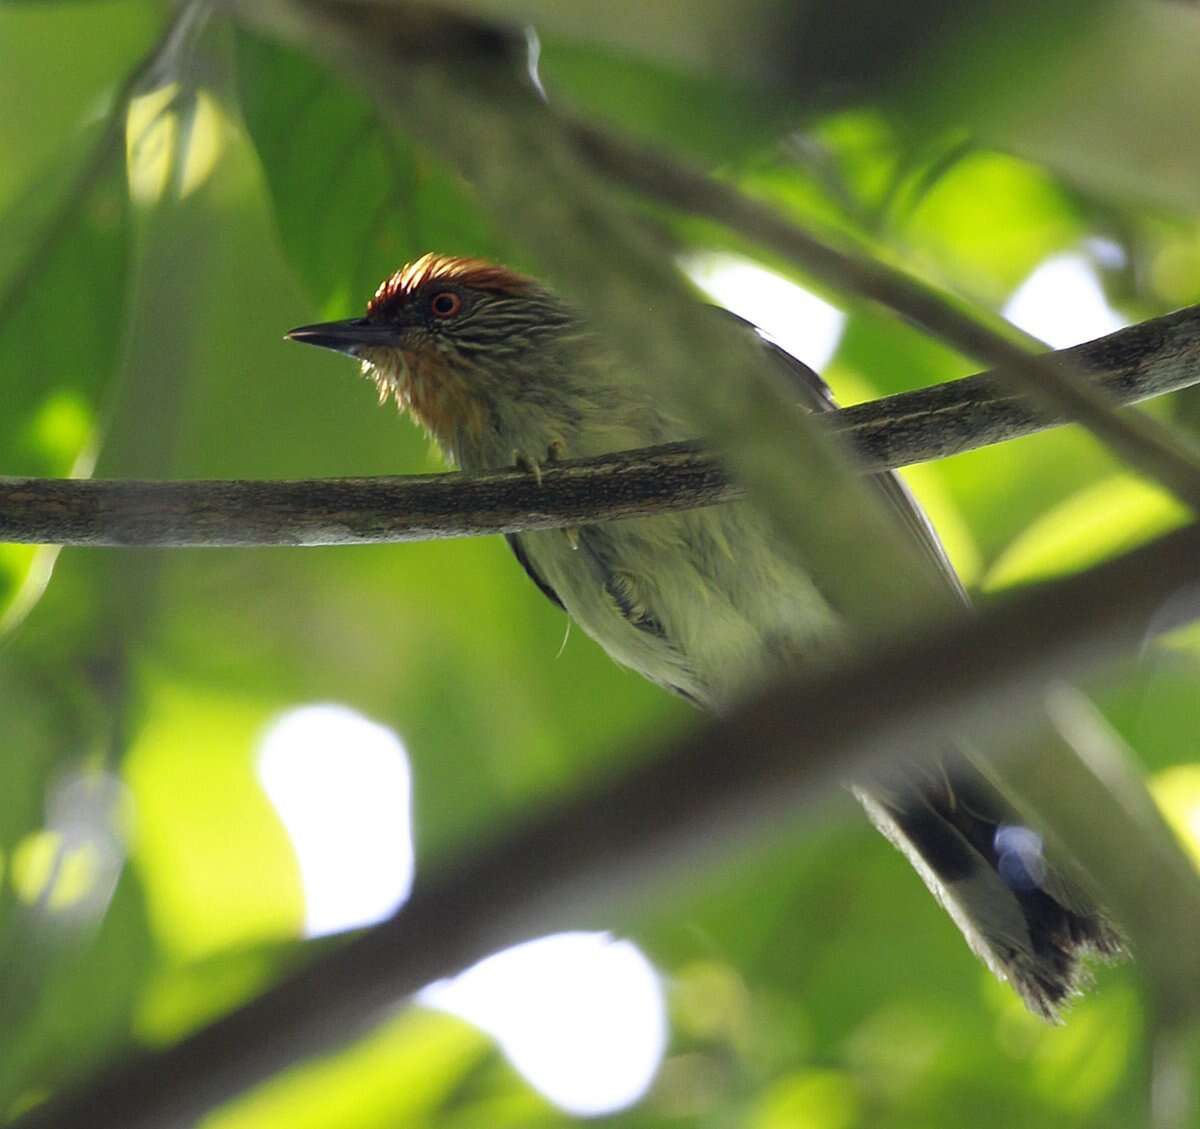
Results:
616 842
1143 442
1150 359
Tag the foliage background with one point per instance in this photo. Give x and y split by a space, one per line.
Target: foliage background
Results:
142 304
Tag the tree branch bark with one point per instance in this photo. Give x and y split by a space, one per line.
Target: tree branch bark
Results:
1155 357
1143 442
580 862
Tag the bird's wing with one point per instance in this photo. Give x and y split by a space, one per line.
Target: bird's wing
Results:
816 396
523 559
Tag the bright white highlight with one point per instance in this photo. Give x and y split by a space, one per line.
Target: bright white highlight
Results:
342 788
1062 303
580 1015
796 319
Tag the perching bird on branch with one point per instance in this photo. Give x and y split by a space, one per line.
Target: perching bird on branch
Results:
500 371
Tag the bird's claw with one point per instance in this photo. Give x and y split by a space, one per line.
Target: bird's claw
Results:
529 465
555 452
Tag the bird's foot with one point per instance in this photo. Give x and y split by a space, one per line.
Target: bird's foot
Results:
532 465
528 464
555 453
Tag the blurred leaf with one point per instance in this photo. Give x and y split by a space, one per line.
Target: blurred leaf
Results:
811 1099
1177 791
201 817
37 732
1078 1066
354 201
65 355
1114 515
401 1075
714 118
988 221
1127 134
49 103
1156 708
81 991
62 357
180 996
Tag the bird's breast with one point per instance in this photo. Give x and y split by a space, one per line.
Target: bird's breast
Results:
440 398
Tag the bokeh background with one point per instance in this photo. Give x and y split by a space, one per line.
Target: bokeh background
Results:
211 758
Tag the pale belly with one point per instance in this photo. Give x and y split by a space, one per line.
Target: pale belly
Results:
699 602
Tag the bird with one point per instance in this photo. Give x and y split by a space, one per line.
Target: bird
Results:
502 372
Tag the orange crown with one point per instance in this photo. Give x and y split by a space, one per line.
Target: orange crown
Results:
476 273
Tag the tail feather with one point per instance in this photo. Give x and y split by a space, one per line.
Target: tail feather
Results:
1022 916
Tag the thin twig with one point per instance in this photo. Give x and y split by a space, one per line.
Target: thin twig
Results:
1150 359
574 865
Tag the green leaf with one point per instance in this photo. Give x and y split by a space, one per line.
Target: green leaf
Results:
68 235
69 994
58 66
988 222
717 119
401 1075
1098 522
216 863
178 997
353 200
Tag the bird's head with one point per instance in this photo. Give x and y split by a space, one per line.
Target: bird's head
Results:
455 342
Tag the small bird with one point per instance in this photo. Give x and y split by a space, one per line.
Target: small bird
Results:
501 372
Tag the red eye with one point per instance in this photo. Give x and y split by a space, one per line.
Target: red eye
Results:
446 304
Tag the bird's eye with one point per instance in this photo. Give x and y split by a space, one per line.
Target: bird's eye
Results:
446 304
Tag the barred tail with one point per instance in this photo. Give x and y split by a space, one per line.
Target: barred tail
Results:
1024 920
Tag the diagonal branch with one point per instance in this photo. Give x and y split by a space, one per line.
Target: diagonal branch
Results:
1141 441
617 841
1145 360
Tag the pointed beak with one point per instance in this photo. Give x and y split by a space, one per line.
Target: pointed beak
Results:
346 336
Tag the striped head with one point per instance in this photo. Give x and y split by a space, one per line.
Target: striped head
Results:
451 340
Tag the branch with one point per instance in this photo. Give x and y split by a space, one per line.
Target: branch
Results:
620 840
1143 442
1150 359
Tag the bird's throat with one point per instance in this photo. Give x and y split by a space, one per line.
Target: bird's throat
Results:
431 391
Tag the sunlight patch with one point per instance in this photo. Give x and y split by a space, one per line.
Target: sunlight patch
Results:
342 788
794 318
69 869
581 1016
1062 303
173 140
1177 790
